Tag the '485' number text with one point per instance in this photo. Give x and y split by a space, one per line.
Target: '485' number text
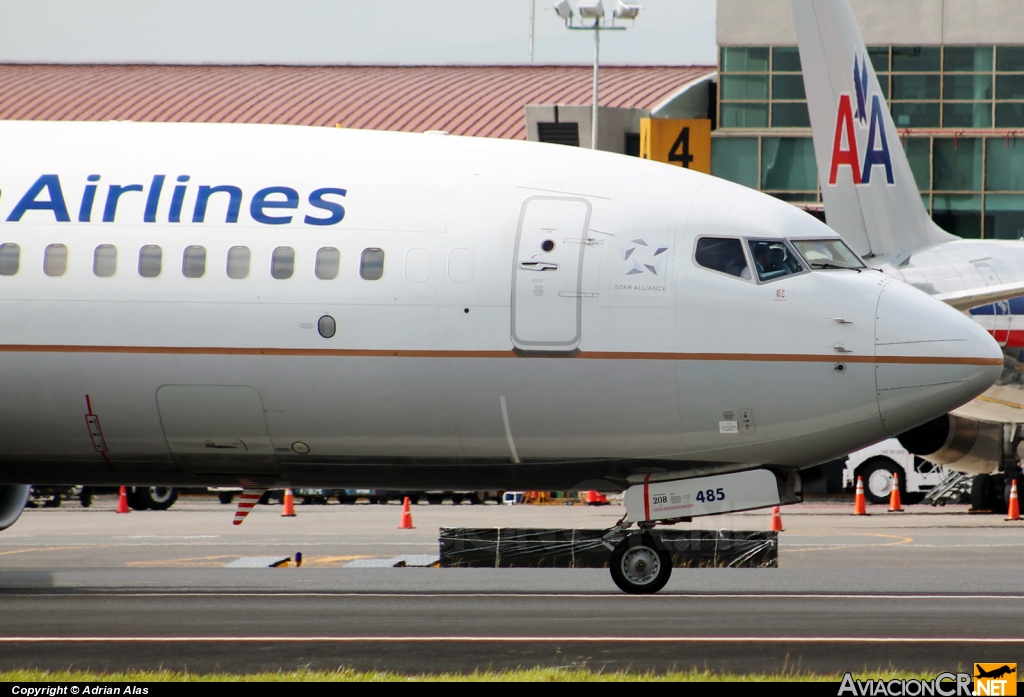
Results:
709 495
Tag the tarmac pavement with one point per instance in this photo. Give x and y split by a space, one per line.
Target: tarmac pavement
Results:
930 589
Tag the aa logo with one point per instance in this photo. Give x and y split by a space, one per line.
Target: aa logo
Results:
876 151
995 679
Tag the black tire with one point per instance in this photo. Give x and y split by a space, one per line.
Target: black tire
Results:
348 500
456 500
226 497
878 486
986 493
1001 503
136 500
158 498
477 497
435 500
638 566
85 497
52 502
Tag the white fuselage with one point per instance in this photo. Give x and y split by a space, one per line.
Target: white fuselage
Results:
479 357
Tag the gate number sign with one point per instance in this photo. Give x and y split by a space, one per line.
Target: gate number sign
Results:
680 142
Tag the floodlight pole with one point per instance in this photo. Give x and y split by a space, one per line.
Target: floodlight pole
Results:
597 64
533 26
570 24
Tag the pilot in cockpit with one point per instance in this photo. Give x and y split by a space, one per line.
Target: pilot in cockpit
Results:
763 259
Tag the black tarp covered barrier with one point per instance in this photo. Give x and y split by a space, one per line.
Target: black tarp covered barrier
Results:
586 549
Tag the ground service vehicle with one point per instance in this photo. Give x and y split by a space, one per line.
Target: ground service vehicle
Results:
877 464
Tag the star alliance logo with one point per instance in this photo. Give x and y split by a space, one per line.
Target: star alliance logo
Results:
645 255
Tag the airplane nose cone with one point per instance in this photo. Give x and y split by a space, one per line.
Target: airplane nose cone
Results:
929 358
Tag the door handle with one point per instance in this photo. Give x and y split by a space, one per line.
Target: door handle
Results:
538 266
220 446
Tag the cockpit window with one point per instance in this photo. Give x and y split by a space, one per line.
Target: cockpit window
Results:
722 254
773 259
827 254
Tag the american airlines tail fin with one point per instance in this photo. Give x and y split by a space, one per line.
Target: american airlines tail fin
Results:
870 195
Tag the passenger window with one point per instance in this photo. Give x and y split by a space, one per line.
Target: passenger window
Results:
150 260
238 262
283 264
55 260
371 265
104 260
328 259
460 265
417 264
772 259
193 262
722 254
10 258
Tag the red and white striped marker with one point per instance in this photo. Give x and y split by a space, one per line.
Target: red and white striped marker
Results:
250 497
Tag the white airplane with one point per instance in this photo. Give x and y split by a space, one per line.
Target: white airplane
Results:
269 306
872 200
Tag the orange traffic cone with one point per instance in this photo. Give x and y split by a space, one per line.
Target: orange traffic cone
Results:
288 509
1014 512
859 504
894 497
592 498
406 523
776 524
122 501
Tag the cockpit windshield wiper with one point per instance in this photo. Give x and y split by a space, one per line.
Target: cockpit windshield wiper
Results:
827 265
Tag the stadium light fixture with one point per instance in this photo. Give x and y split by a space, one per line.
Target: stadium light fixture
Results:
626 11
591 9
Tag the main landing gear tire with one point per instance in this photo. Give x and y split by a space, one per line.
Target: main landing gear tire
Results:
226 497
638 566
985 493
153 498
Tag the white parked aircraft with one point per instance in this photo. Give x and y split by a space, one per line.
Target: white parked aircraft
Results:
263 306
872 200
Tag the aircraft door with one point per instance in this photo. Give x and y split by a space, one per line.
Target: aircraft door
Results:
546 281
1001 310
213 429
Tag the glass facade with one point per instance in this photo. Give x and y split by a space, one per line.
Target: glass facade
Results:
971 182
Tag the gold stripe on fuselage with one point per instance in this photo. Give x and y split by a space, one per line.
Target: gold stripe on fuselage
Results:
407 353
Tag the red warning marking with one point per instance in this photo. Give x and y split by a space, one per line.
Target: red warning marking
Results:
250 497
92 421
647 498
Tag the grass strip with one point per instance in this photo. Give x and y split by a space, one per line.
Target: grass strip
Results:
572 674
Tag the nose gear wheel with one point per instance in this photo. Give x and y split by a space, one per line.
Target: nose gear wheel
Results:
638 566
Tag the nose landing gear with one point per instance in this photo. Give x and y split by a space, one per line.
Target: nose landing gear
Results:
639 566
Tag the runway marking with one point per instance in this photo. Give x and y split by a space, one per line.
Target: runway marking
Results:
190 562
513 639
899 541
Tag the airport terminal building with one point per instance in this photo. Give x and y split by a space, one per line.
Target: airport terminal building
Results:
952 71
